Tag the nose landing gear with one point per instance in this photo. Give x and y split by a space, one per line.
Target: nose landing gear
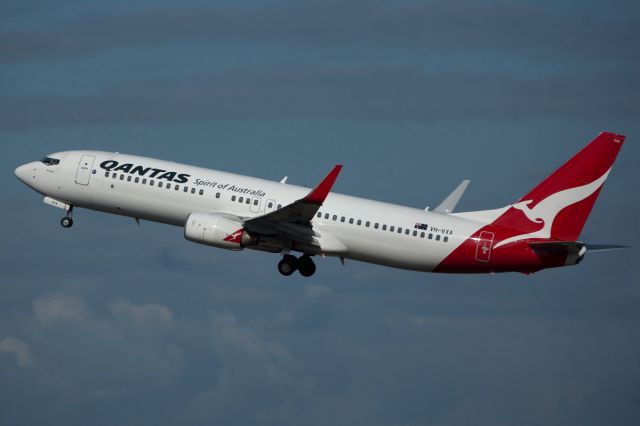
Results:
67 221
289 264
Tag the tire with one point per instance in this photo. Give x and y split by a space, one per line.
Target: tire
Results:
306 266
66 222
288 265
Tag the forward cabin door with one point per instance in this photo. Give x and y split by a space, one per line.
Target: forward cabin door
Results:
84 169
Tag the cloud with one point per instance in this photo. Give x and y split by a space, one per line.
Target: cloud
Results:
59 307
20 349
255 372
141 315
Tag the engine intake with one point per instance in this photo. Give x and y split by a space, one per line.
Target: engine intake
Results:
217 230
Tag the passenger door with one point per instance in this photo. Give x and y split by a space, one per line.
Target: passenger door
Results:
485 244
84 169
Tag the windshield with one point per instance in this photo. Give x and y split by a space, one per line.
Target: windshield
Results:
50 161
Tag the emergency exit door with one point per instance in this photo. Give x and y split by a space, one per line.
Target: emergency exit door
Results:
84 169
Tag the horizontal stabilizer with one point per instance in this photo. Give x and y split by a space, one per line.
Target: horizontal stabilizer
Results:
605 247
557 246
449 204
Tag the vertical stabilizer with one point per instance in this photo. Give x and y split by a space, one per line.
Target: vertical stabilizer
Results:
559 206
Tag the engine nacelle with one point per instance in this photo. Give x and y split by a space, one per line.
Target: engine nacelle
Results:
217 230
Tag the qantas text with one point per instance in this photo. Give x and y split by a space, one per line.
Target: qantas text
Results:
112 165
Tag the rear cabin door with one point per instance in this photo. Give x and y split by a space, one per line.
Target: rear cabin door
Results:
484 246
84 169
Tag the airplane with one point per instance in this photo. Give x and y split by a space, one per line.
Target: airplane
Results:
541 230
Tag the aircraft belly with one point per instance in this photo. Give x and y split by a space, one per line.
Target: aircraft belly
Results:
141 207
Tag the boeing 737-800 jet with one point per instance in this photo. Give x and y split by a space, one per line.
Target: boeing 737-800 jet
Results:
234 212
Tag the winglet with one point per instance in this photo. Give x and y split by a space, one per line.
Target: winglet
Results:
450 203
320 193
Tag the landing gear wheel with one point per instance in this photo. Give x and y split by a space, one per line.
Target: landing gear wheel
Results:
66 222
288 265
306 266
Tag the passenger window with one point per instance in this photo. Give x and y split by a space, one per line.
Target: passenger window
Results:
121 177
115 175
438 237
445 239
326 215
430 236
201 192
128 178
137 180
186 189
106 174
393 228
144 181
351 221
319 215
399 230
159 184
217 195
376 226
248 200
384 227
233 198
335 217
367 224
407 231
359 222
255 202
271 206
193 190
422 234
279 206
151 182
177 188
342 219
241 200
415 233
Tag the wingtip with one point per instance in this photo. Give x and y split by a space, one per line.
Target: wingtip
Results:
320 193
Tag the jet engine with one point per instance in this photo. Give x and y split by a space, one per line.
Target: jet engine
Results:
217 230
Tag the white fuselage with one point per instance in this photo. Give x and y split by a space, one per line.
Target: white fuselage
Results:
371 231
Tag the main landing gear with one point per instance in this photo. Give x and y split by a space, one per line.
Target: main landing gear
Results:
289 264
67 221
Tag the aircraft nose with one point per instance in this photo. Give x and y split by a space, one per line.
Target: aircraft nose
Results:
22 172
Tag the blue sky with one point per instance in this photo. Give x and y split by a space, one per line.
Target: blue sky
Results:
111 323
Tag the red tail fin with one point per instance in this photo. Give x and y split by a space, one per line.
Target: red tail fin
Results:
563 201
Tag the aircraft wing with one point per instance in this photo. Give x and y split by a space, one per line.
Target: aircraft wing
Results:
294 220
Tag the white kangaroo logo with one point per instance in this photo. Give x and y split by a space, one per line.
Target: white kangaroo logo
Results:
545 211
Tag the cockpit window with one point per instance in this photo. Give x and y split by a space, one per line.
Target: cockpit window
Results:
50 161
